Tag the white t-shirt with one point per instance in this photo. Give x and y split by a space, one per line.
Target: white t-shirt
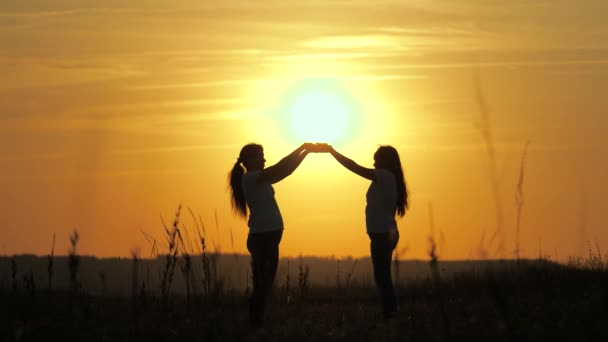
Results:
381 203
264 214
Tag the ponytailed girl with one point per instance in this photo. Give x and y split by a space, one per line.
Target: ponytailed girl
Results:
252 192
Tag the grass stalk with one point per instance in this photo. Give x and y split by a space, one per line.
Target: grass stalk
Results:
74 261
50 261
519 201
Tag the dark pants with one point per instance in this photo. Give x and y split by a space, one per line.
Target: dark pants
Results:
264 249
382 246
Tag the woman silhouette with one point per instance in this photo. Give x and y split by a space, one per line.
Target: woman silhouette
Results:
253 189
386 197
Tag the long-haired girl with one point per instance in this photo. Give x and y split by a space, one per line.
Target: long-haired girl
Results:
386 198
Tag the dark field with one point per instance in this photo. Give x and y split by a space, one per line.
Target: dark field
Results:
536 299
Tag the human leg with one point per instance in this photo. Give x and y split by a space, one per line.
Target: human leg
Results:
264 250
382 245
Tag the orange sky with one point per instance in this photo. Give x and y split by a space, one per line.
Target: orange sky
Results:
111 114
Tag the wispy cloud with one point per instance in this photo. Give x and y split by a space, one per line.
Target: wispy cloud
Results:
35 157
176 148
33 72
310 57
351 42
500 147
486 64
199 84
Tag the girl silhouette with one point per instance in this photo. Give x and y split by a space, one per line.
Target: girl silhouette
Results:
386 197
251 187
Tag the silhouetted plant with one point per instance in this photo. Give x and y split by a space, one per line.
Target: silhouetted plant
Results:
338 276
519 201
217 280
135 265
136 261
594 260
74 261
206 270
186 266
213 284
287 287
186 271
207 277
171 234
303 278
153 254
485 128
434 259
50 261
349 275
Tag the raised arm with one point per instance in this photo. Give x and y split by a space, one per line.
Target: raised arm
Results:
351 165
285 166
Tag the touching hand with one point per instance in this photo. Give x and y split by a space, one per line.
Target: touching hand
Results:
309 147
322 147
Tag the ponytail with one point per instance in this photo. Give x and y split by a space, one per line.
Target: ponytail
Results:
239 205
235 178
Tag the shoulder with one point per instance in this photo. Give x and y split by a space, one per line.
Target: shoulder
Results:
384 176
251 176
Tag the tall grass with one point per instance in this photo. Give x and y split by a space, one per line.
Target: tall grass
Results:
592 262
211 283
433 253
485 128
135 266
519 201
171 235
303 278
74 262
153 254
286 286
435 308
50 261
346 283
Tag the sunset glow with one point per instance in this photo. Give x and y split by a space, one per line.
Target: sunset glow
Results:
114 113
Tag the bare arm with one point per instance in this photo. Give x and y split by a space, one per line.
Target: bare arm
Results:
351 165
285 166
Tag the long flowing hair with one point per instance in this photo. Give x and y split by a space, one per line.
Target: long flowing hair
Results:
235 179
391 160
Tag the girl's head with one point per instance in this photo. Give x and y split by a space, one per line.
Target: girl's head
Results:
387 157
251 158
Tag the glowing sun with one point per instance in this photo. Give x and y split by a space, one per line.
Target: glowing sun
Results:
320 110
